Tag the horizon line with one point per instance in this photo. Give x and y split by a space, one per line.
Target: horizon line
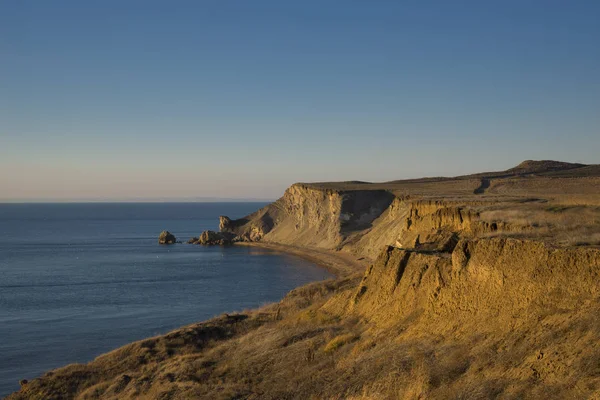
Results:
141 200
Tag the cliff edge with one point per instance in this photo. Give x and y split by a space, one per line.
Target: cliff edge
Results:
551 201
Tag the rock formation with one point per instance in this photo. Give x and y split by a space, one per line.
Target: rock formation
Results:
428 214
166 237
224 223
212 238
193 240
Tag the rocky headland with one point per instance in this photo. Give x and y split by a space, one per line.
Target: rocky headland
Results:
213 238
473 287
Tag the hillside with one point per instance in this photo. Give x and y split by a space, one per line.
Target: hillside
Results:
474 287
546 200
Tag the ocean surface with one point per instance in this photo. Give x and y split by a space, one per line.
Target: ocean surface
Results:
77 280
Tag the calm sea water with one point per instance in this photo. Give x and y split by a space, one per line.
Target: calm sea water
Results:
77 280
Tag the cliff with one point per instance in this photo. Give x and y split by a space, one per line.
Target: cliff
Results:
469 293
501 279
360 218
312 217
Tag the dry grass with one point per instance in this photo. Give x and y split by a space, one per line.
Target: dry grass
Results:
256 356
554 222
339 341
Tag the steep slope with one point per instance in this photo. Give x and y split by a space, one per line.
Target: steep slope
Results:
361 218
499 278
496 318
311 217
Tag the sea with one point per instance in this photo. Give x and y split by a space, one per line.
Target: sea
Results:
80 279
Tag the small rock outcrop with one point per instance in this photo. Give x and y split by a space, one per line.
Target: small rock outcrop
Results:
166 237
224 223
214 238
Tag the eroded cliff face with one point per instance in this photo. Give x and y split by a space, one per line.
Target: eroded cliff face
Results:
508 280
311 217
437 225
363 222
438 261
520 309
517 317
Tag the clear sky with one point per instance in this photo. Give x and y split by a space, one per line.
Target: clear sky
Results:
124 99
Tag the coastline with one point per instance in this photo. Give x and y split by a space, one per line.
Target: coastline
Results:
338 263
341 265
413 323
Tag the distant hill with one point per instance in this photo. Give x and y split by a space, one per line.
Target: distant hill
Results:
536 167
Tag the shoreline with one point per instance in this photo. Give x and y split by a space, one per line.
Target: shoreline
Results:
338 263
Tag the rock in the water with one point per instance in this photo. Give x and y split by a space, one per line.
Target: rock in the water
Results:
23 382
193 240
216 238
166 237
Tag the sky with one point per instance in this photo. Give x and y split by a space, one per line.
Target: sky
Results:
173 100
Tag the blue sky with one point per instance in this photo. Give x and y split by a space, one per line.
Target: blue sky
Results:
239 99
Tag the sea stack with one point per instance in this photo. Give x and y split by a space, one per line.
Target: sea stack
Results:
166 237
